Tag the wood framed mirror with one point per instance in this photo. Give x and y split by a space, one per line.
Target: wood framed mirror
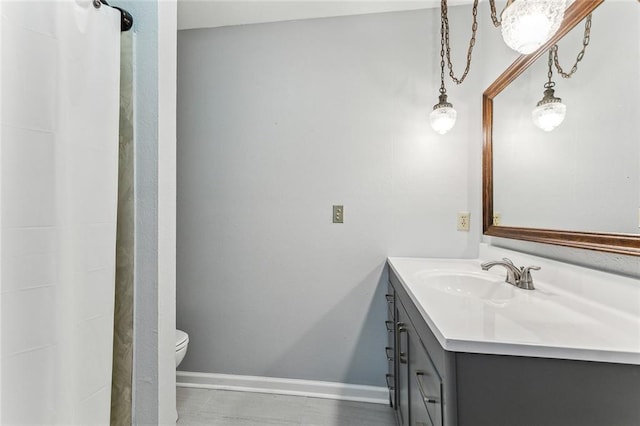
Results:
613 242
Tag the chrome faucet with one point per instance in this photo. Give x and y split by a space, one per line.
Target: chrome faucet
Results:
519 277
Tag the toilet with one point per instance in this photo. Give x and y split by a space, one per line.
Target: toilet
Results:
182 341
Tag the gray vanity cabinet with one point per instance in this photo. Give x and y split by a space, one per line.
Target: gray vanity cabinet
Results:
397 356
417 385
434 387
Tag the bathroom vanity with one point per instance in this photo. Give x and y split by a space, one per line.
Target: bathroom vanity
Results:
466 348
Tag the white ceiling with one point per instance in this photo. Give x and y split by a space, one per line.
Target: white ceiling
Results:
219 13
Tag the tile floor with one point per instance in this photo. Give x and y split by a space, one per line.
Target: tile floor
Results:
199 407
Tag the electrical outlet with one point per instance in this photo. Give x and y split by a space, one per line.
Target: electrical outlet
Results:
338 214
638 218
497 218
463 221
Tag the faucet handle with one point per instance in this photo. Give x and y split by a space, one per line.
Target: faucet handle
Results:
526 280
512 276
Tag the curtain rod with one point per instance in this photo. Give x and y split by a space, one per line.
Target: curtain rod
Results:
126 20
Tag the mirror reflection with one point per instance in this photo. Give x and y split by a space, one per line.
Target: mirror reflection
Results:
584 174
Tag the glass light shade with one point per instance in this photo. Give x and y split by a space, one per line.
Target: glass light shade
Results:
548 116
443 116
443 119
528 24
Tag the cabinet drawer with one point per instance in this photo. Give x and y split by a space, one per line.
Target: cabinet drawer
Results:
390 298
428 385
391 387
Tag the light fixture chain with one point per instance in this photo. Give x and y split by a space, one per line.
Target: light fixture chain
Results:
550 83
472 41
494 16
585 42
443 90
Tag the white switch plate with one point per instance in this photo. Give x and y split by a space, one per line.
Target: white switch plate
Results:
463 221
338 214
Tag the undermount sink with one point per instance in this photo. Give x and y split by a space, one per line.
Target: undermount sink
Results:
468 284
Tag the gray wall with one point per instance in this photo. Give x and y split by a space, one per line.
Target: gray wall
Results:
278 122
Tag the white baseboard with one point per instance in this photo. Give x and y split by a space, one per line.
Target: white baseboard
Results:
309 388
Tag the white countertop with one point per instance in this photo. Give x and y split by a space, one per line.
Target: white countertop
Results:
552 321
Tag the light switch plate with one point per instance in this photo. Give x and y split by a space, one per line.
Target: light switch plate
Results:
338 214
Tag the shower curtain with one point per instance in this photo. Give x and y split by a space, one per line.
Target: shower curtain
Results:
58 188
121 389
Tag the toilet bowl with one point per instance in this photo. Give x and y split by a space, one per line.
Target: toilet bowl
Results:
182 341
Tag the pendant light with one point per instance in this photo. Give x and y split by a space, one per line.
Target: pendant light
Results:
528 24
549 113
443 116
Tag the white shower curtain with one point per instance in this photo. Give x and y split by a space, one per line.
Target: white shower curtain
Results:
58 188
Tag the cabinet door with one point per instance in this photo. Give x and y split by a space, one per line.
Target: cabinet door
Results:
419 414
425 386
402 356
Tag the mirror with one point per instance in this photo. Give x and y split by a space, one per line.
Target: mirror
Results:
578 185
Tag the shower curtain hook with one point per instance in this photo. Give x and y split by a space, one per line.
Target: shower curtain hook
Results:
126 20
